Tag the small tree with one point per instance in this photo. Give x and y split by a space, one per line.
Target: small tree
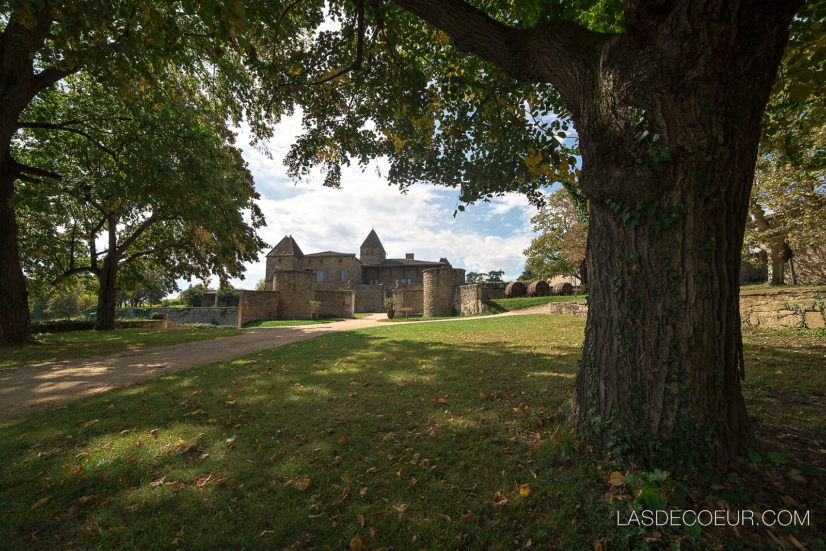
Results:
193 296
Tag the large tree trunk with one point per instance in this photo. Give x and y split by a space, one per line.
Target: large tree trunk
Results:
15 324
669 136
107 292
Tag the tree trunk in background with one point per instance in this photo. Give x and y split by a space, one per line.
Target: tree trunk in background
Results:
669 135
107 290
15 324
777 261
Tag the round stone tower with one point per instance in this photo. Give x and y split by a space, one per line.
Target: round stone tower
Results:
438 291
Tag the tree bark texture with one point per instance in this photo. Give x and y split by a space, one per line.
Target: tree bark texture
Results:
15 324
669 135
668 117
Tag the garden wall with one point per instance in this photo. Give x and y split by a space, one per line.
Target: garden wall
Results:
408 298
336 304
214 316
468 299
784 307
257 305
369 298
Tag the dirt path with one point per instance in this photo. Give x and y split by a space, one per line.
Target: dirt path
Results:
28 389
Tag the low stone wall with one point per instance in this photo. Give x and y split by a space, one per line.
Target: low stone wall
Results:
578 309
408 298
369 298
214 316
784 307
336 304
257 306
468 299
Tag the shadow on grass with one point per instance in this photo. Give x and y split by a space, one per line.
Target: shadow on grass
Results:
399 431
413 436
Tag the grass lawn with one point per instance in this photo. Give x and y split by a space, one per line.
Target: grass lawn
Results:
284 323
80 344
359 315
434 436
499 305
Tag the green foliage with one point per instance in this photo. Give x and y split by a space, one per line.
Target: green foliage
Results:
228 295
193 296
559 249
315 305
261 285
160 180
388 303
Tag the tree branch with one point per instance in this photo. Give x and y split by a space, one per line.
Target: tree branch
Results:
132 258
555 51
34 171
136 234
73 271
67 127
356 65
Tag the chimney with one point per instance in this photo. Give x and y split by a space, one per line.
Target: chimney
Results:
408 256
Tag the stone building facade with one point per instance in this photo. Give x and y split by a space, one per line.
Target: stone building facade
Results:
371 275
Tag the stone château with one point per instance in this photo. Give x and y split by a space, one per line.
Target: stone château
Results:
371 267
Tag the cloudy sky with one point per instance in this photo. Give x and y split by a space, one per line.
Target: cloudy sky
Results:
487 236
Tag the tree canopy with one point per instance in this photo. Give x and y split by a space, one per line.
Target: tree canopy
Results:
159 179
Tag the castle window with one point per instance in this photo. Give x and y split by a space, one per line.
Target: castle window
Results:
319 276
279 261
342 275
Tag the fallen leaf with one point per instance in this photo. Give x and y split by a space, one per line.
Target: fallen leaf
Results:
90 423
355 543
499 500
388 436
154 433
469 516
360 518
616 478
231 441
342 441
77 470
303 484
40 502
524 490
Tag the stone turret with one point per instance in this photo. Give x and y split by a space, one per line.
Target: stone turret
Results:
372 251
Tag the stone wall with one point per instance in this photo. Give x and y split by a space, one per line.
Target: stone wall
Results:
215 316
257 306
492 292
405 297
578 309
336 304
438 291
468 299
809 265
369 298
296 292
784 307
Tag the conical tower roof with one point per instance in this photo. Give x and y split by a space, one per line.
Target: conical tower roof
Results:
372 241
286 247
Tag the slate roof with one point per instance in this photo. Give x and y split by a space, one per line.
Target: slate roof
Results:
286 247
329 253
406 262
372 241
